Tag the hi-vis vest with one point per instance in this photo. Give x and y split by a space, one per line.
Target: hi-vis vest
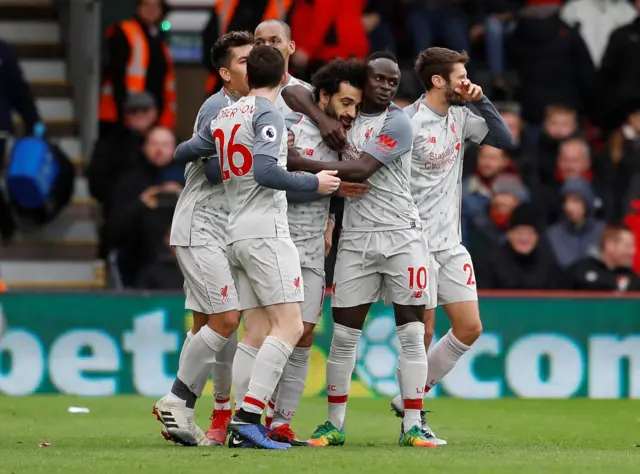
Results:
136 77
276 9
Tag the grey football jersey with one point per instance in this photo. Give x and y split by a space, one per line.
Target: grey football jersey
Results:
202 212
308 220
388 205
436 168
251 127
280 104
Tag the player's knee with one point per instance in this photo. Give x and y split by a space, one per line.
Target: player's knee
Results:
345 340
297 330
468 332
411 337
225 323
307 336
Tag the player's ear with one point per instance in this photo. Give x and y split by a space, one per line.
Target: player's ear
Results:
324 97
246 79
224 74
283 81
438 81
292 47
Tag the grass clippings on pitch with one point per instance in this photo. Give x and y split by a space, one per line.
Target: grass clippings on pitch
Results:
120 435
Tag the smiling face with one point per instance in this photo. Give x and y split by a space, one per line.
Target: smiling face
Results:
343 105
383 80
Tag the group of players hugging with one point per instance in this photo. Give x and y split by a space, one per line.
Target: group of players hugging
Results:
249 234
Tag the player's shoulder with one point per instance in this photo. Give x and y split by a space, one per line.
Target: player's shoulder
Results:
459 111
412 109
265 110
294 81
216 102
396 117
212 106
292 119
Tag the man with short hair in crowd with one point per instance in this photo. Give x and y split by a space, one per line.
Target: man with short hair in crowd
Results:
141 196
611 270
573 162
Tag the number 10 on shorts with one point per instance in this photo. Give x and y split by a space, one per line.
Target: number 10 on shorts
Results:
417 277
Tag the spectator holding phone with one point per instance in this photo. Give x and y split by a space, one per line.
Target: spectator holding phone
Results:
142 197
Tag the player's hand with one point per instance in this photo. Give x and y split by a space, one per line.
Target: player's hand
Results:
352 190
332 132
149 196
328 237
291 138
328 182
469 91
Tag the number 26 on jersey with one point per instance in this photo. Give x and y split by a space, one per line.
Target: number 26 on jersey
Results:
229 151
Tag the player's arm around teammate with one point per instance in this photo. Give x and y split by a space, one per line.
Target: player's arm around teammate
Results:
300 99
252 144
338 92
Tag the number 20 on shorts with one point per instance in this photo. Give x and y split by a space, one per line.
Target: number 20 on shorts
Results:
232 149
417 277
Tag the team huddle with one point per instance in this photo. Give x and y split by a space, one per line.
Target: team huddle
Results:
270 161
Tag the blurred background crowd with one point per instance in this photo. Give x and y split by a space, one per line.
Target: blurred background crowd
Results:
559 211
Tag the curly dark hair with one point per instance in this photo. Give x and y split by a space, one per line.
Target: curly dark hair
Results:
221 50
329 77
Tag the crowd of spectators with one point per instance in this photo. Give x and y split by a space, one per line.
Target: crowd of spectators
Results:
561 210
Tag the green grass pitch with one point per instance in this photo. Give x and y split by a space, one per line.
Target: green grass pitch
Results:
120 435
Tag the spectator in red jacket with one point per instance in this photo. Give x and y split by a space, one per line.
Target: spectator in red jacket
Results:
326 29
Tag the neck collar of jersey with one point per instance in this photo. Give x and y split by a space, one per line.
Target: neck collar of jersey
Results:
229 95
421 102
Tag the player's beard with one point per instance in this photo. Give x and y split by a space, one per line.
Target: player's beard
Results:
343 119
452 97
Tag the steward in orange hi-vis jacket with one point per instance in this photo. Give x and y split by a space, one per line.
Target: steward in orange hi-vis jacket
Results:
139 60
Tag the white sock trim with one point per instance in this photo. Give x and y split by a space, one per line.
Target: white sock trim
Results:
250 351
281 345
456 342
212 339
